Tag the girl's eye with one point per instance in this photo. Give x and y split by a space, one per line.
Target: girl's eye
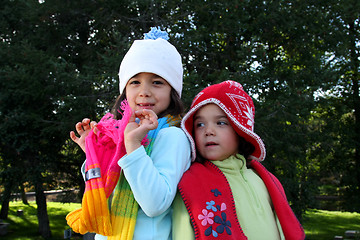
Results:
199 124
222 123
158 82
134 82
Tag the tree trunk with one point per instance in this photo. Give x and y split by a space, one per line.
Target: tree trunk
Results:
23 195
356 104
5 201
43 218
5 208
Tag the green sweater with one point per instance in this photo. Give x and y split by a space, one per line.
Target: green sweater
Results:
253 204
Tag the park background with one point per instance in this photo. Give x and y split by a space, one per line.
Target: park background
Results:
298 59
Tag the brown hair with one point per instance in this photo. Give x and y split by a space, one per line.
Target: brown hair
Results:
176 106
245 148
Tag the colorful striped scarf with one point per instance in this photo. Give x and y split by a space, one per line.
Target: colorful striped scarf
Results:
102 174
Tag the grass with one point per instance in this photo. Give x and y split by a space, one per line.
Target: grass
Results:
318 224
321 224
26 227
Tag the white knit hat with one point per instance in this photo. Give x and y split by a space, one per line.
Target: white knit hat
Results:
154 54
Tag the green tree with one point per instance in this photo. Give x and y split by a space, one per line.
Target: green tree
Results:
275 52
337 115
38 98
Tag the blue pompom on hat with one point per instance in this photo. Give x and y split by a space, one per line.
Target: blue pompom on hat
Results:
156 33
153 54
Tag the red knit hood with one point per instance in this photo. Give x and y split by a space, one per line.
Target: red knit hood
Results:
239 108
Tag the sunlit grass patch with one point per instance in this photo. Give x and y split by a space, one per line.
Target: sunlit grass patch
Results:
318 224
26 226
321 224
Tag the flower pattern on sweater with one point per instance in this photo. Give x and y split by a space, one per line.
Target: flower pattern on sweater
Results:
214 216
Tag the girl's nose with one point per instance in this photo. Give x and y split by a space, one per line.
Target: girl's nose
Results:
209 131
144 91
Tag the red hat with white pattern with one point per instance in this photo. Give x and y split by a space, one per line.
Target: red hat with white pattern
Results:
239 108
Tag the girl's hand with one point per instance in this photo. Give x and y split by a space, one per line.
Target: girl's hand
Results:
83 128
140 123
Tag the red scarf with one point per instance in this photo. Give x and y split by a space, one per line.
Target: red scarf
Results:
218 218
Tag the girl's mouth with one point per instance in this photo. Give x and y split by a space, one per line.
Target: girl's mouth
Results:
209 144
146 105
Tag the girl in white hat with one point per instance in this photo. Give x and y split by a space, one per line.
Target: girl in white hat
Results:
151 80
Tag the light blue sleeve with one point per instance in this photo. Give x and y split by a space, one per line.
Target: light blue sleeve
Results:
154 179
83 170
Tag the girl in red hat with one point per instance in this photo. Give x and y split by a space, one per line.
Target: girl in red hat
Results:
227 193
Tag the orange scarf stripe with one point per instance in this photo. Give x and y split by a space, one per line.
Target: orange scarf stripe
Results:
94 184
95 165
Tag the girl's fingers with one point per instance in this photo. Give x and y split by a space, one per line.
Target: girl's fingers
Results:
147 118
82 128
132 116
79 127
152 118
73 136
85 124
93 124
146 114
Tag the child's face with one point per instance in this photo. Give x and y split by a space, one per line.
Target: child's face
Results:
215 138
148 91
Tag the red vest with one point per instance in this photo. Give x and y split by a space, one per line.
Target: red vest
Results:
210 203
